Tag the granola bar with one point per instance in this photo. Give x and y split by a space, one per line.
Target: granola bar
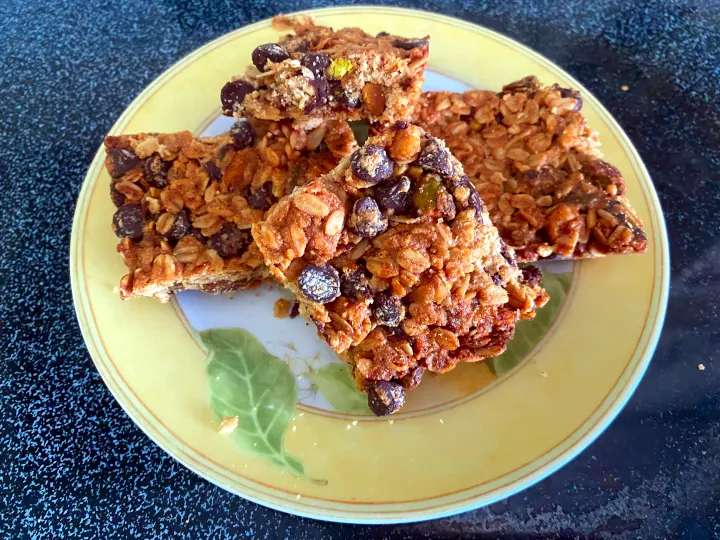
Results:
185 205
317 73
394 258
537 167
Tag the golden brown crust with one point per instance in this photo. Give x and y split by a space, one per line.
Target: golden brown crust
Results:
377 78
431 287
536 165
185 204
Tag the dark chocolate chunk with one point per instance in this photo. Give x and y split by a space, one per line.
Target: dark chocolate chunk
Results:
385 397
156 170
268 51
129 221
230 241
319 283
120 161
233 93
371 164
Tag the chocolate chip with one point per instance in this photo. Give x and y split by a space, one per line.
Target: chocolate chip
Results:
120 161
507 254
394 197
497 280
243 134
129 221
382 34
118 198
473 200
409 45
268 51
385 397
532 275
339 97
320 99
319 283
179 228
433 157
366 219
355 285
262 198
413 379
233 93
400 124
214 172
156 170
230 241
197 235
388 310
294 310
568 93
371 164
316 62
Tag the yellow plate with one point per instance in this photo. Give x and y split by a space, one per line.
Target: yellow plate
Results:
464 440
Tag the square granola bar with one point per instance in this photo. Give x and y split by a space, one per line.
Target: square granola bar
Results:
394 258
185 205
536 165
317 73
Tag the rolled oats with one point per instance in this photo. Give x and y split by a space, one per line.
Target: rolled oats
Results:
184 201
435 288
536 141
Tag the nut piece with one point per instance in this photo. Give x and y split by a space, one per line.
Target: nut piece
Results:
385 397
374 99
319 283
338 68
405 145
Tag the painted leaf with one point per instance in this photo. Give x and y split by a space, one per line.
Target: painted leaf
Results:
335 383
248 382
529 333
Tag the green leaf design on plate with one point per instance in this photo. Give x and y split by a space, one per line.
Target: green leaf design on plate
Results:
248 382
335 383
529 333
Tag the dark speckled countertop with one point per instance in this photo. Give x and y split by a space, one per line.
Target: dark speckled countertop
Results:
74 465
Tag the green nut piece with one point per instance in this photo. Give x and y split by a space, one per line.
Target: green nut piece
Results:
425 194
339 67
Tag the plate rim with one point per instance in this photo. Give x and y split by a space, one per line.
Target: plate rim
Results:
614 408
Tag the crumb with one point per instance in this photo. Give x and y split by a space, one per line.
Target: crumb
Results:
441 421
391 422
543 374
624 88
294 428
348 426
298 496
281 308
228 424
354 422
701 367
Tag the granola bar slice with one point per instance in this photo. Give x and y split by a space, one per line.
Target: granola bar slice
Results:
394 258
317 73
185 205
536 165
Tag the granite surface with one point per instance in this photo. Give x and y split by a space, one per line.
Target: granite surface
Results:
74 465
